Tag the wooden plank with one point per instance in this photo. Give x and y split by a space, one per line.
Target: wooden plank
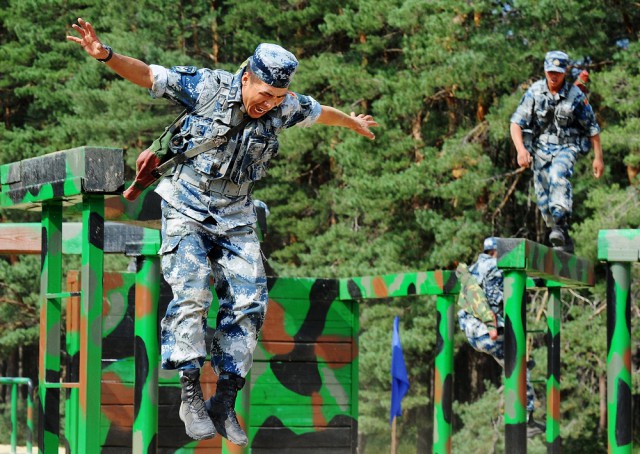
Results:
621 245
284 439
545 262
266 395
341 374
171 433
187 449
302 450
310 331
335 352
65 175
302 416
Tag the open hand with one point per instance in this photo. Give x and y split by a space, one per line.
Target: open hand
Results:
88 39
364 122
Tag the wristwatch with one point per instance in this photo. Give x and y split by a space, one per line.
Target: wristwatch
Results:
108 48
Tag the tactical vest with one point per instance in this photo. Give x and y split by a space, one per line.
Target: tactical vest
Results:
557 124
244 157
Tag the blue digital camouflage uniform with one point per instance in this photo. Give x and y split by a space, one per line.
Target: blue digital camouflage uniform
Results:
556 129
491 279
208 214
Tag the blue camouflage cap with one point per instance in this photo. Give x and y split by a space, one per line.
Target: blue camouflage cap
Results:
556 61
490 244
274 65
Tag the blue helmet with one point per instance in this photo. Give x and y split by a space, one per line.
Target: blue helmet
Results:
556 61
274 65
490 244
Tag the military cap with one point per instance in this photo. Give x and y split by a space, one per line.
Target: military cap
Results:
490 244
273 65
556 61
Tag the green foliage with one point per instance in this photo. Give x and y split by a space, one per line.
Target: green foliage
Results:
19 292
442 79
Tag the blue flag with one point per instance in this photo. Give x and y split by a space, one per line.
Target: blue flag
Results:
399 377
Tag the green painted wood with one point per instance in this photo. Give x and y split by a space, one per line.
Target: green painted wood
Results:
92 273
619 245
64 175
399 285
544 262
50 319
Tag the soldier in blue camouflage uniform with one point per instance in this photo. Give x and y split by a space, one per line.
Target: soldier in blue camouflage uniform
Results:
487 336
552 126
208 213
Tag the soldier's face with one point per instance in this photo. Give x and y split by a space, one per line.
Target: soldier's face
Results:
258 97
554 80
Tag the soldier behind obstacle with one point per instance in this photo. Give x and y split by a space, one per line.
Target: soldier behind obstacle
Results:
481 317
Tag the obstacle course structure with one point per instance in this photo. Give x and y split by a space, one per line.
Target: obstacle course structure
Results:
619 248
302 392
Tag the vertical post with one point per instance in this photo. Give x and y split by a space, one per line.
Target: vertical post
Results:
394 441
619 358
355 369
14 417
91 324
29 416
73 356
145 425
14 382
515 390
443 389
554 317
49 367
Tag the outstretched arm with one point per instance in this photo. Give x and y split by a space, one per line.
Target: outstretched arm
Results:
359 123
133 70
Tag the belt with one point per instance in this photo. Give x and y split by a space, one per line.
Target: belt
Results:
220 186
551 139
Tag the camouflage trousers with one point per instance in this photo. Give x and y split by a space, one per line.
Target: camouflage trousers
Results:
553 189
478 337
192 255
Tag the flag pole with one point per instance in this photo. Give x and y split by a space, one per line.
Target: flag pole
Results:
393 436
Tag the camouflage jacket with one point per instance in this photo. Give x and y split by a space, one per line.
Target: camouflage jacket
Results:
550 122
213 99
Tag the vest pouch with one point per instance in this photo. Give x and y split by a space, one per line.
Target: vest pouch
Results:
563 116
240 166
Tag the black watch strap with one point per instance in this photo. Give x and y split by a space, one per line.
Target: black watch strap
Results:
108 48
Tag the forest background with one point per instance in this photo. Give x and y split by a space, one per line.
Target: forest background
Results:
442 78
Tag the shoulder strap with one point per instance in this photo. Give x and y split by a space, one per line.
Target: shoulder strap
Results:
198 149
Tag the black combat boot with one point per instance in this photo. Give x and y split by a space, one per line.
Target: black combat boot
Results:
221 409
559 237
556 237
197 423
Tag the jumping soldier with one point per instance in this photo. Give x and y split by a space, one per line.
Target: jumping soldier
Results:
207 211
